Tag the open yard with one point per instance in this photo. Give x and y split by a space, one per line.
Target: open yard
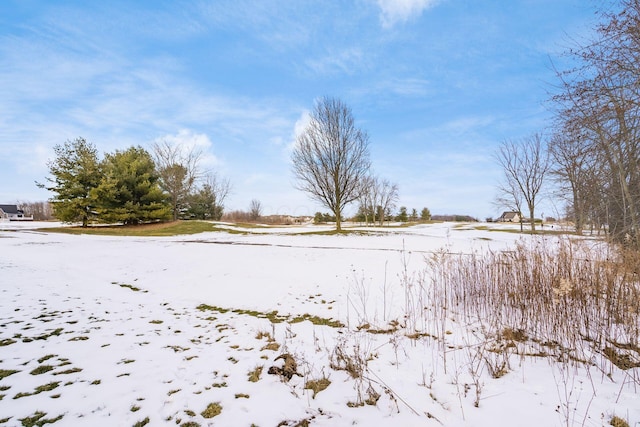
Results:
275 327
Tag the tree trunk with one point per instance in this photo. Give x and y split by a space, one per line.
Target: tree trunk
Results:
532 218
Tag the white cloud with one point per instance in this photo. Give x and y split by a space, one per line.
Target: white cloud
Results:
398 11
189 140
299 127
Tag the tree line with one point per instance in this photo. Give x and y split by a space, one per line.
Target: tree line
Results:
592 153
132 186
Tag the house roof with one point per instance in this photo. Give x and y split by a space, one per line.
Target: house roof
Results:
509 215
10 209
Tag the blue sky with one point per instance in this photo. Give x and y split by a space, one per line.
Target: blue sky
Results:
436 84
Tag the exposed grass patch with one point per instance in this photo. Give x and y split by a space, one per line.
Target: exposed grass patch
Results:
173 392
39 389
156 322
54 333
241 396
177 348
41 369
618 422
142 423
273 346
254 376
135 408
7 341
274 317
38 419
212 410
80 338
47 357
173 228
68 371
317 321
317 385
133 288
263 334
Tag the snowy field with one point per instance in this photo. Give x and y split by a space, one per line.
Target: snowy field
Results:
131 331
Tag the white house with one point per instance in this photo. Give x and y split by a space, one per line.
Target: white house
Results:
12 213
509 217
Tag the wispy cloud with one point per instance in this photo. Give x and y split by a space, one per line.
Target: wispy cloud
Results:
274 23
393 12
338 61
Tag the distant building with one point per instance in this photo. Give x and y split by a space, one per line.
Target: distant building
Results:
12 213
509 217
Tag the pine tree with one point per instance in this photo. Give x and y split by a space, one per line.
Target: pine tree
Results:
130 192
75 173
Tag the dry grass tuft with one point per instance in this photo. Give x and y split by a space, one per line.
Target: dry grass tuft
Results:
254 375
212 410
618 422
317 385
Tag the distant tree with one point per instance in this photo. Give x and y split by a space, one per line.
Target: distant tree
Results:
331 156
323 218
41 211
425 214
388 192
525 165
414 215
255 209
368 198
361 215
130 191
75 172
402 215
178 169
378 198
207 201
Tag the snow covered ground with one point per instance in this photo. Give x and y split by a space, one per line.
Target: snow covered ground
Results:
104 331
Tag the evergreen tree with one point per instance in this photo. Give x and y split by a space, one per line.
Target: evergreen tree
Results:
130 192
203 204
402 215
425 214
75 173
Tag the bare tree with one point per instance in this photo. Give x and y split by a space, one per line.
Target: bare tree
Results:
388 193
600 99
368 198
331 157
255 209
577 170
41 211
525 164
178 168
378 197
